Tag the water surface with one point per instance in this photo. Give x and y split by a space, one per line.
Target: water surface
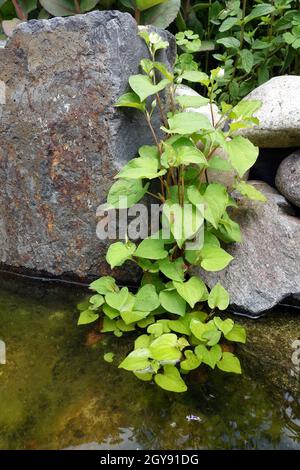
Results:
57 392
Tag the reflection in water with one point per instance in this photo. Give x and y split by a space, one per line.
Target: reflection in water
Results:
55 392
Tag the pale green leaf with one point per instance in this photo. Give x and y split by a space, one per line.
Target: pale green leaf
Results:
131 100
146 299
259 11
214 258
87 316
119 252
229 363
136 360
173 269
172 302
237 334
218 297
96 301
195 76
117 300
170 380
124 193
143 86
165 348
242 154
104 285
109 357
191 361
224 325
132 316
250 191
192 290
151 249
209 356
186 101
188 123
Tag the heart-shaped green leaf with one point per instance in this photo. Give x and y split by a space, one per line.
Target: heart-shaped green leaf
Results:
165 348
218 297
192 291
170 380
229 363
172 302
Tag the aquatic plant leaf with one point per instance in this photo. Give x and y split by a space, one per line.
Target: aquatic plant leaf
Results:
224 325
229 363
136 360
96 301
171 380
110 312
237 334
108 325
191 362
109 357
165 348
87 316
133 316
142 341
212 337
209 356
182 325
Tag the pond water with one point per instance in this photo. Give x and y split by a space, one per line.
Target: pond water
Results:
57 392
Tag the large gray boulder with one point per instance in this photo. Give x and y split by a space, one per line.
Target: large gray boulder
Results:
266 265
288 178
279 115
62 139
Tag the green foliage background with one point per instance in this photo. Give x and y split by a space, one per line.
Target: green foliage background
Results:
252 40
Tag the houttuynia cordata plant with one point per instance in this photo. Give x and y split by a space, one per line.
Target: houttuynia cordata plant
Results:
178 317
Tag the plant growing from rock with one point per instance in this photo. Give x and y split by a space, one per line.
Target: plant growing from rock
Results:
180 321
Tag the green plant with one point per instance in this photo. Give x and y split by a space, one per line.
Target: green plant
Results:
156 12
178 332
252 41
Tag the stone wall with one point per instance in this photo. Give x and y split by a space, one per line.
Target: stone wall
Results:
62 139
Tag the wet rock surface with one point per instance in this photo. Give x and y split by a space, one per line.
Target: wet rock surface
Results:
266 265
62 139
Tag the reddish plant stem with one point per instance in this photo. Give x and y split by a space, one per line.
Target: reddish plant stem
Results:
21 15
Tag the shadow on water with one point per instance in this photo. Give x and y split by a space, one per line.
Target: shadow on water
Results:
56 392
